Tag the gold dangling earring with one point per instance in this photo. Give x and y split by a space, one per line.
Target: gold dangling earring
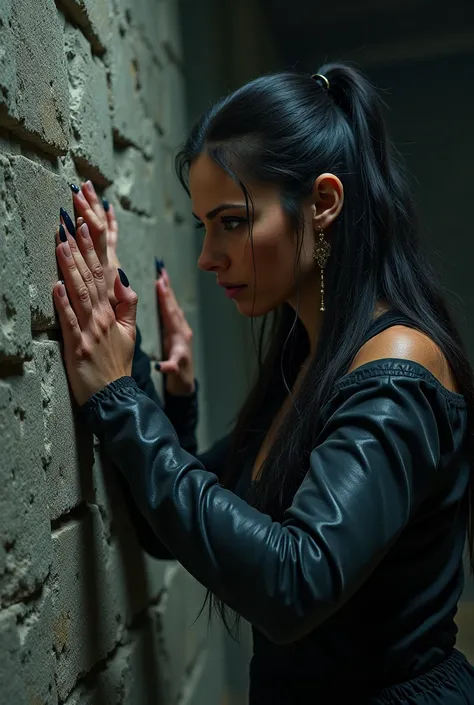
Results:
321 252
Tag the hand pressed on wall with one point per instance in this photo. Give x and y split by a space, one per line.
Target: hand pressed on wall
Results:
99 341
103 228
178 365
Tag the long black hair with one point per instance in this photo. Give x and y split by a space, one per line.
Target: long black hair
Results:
285 129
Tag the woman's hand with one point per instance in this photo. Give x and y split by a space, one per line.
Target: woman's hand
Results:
98 341
103 229
177 341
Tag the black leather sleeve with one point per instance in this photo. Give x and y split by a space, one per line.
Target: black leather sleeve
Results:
183 414
375 460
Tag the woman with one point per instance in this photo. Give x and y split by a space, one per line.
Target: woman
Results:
333 518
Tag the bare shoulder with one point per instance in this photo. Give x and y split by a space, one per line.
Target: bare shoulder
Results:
409 344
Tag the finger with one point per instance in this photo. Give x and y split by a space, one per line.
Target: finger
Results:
112 224
126 308
79 222
77 290
168 305
93 264
165 275
67 318
97 227
97 206
77 253
169 367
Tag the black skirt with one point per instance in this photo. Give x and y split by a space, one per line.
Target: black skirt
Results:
449 683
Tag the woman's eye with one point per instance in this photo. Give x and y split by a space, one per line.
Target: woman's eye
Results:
232 223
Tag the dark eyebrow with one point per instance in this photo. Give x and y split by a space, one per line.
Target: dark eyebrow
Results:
224 207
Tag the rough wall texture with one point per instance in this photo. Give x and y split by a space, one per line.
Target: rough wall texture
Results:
88 89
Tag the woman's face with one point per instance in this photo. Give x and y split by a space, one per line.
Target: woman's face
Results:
257 278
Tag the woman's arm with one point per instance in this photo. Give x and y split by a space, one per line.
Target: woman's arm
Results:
182 411
376 457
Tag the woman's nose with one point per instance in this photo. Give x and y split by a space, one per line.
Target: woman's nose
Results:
211 259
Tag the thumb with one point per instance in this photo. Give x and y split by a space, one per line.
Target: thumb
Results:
126 308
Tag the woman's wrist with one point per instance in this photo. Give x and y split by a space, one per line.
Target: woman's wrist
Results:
176 387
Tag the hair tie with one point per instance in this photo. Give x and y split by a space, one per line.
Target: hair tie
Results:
315 76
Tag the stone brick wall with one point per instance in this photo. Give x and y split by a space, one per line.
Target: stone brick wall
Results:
89 89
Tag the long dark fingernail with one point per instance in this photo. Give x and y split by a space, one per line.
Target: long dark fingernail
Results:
123 277
157 366
62 233
68 221
159 264
74 188
105 203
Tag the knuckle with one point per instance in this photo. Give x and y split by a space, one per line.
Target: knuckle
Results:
100 228
84 351
88 278
72 322
98 272
97 333
104 321
83 294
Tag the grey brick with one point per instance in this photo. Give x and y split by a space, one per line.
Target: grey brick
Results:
136 251
67 448
174 105
130 677
139 182
25 539
182 263
128 116
94 18
135 183
34 98
175 615
92 144
15 317
151 83
40 194
87 617
169 26
141 17
26 666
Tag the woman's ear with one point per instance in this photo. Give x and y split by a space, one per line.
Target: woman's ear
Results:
328 199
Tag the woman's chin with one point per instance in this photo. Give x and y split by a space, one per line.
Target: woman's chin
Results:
251 309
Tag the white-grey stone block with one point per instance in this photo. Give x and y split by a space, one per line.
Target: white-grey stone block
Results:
169 28
136 251
34 100
136 185
67 448
128 116
92 143
94 18
88 622
130 677
173 112
151 82
15 317
25 536
27 666
40 194
181 639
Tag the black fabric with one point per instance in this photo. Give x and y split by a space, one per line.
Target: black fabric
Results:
360 582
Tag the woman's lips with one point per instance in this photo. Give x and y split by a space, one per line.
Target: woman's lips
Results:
233 291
